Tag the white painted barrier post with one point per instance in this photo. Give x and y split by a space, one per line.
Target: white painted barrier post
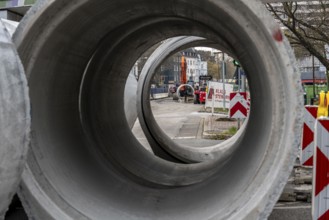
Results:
310 114
320 201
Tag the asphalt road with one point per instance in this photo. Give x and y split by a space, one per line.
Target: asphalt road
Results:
181 121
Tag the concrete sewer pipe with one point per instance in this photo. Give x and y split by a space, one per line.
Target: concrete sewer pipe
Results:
161 144
14 119
84 161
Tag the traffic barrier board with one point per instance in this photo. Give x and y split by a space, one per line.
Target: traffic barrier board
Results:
310 114
238 105
320 201
248 104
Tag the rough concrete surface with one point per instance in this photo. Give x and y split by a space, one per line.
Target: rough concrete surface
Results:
77 56
14 119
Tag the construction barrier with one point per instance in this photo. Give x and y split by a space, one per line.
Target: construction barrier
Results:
310 115
238 105
248 103
320 204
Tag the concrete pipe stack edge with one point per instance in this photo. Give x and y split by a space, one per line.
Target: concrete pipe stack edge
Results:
14 119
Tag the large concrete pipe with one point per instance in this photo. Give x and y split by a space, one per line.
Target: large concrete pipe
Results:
84 161
155 135
14 119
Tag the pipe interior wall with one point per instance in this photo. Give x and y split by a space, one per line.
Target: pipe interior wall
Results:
84 161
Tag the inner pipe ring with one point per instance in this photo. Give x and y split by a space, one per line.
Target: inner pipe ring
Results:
154 134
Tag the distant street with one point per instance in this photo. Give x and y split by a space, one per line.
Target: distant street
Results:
180 121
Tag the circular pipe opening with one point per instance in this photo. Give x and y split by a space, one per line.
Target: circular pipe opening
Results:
84 160
155 135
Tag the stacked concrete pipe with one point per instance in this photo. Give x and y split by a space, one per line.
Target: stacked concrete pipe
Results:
84 161
160 143
14 119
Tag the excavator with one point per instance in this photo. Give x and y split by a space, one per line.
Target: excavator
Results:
184 90
183 80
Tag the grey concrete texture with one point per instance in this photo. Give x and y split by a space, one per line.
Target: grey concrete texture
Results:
160 143
14 119
130 98
10 25
84 161
292 212
178 121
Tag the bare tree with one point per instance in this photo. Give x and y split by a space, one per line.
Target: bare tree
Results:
307 24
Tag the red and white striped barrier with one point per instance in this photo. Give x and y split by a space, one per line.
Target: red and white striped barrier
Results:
320 201
238 105
248 104
310 114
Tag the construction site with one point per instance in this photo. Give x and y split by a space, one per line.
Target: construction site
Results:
119 110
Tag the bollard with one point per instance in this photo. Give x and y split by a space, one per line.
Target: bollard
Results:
320 202
310 114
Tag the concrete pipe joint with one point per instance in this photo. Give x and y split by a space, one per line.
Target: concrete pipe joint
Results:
160 143
14 120
85 163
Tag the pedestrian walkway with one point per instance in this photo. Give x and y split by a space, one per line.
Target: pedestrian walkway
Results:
191 128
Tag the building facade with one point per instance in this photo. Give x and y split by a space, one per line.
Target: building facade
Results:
196 67
169 71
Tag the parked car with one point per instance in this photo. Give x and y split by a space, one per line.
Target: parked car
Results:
200 96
